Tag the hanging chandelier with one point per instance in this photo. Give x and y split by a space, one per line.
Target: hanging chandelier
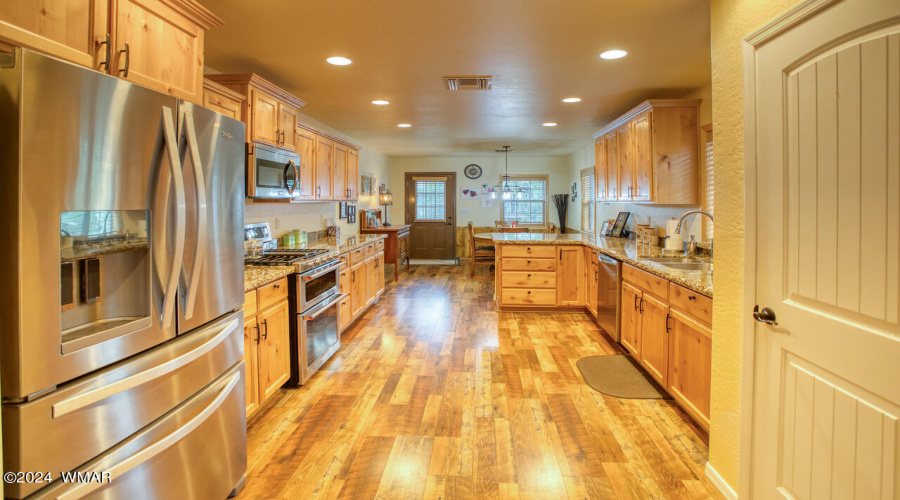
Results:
505 190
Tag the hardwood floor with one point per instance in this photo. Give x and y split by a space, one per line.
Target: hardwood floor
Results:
434 394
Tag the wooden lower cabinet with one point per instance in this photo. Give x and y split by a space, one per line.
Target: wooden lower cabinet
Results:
690 365
592 281
358 288
274 342
371 281
266 343
379 273
541 276
362 281
631 320
654 354
570 284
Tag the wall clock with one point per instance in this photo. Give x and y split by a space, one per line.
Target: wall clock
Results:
472 171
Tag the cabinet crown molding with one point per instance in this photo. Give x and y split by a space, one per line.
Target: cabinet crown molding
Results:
215 87
330 137
643 107
258 82
195 12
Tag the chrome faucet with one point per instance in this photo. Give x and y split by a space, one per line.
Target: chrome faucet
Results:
681 221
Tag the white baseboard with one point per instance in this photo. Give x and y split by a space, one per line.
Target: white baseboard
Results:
720 484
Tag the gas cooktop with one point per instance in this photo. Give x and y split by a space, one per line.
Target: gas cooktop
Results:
302 259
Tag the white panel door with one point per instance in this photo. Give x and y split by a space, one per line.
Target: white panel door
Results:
827 146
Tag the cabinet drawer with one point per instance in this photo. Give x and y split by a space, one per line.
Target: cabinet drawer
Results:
521 279
646 281
537 251
528 264
357 256
369 250
250 304
379 246
526 297
272 293
688 301
345 258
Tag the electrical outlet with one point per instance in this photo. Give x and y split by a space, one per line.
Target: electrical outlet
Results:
277 222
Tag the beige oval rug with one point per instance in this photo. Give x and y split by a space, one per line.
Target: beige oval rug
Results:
619 376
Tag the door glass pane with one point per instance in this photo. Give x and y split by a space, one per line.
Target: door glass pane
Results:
431 200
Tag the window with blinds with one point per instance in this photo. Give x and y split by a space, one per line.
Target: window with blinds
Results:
531 210
706 191
588 195
431 200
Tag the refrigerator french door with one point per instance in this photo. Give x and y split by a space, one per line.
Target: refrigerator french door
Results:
123 210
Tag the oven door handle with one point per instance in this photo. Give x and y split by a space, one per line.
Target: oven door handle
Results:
311 315
323 271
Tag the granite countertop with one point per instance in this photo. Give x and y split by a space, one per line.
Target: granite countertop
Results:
257 276
617 248
342 245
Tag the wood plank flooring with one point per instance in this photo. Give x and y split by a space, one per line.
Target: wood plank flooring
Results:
434 394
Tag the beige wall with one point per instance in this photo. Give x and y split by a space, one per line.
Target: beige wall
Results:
555 167
731 21
315 216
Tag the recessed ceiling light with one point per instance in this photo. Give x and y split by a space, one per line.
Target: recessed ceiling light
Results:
404 125
572 99
339 61
550 124
381 102
613 54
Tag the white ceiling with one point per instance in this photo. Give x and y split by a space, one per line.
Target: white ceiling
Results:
538 51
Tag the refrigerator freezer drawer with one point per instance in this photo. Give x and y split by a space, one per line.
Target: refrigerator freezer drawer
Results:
197 451
82 419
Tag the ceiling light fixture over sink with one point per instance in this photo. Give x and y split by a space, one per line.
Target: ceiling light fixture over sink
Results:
505 189
380 102
613 54
572 99
338 61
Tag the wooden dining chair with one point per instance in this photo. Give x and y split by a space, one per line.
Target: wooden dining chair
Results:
481 254
499 224
514 230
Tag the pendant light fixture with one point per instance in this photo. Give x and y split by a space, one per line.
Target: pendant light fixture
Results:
505 190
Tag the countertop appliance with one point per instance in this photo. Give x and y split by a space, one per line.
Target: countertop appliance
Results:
122 351
313 298
608 295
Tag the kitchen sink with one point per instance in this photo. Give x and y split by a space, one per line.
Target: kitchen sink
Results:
683 263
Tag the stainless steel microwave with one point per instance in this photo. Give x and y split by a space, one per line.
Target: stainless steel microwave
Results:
272 173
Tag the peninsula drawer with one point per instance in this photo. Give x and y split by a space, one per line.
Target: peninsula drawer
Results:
379 246
525 297
272 293
522 279
345 258
646 281
528 264
537 251
694 304
370 250
357 256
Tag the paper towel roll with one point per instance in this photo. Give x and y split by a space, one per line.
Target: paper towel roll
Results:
673 241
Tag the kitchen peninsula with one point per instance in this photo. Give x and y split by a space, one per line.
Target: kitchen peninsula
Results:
664 313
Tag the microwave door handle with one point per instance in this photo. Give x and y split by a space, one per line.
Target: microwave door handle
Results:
157 447
315 314
296 176
202 216
171 284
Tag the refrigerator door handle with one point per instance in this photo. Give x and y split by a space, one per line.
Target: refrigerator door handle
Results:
157 447
88 398
171 145
202 216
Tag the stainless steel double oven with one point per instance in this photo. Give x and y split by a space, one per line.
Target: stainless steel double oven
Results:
122 345
316 325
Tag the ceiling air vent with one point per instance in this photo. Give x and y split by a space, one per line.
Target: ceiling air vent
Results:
468 82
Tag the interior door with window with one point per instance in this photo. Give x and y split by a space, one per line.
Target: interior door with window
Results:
824 144
430 210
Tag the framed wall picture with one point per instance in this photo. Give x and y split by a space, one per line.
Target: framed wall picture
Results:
604 229
616 231
351 218
342 210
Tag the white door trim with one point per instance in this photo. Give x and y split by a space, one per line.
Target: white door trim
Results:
796 15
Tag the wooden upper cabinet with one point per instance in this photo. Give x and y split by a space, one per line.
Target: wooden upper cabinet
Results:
222 100
74 30
353 175
324 166
264 109
600 168
287 126
642 158
160 46
339 172
624 146
306 148
612 166
655 154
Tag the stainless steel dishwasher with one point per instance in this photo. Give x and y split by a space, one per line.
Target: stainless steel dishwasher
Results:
608 295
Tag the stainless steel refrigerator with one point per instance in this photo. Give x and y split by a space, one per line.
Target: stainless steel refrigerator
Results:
122 286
